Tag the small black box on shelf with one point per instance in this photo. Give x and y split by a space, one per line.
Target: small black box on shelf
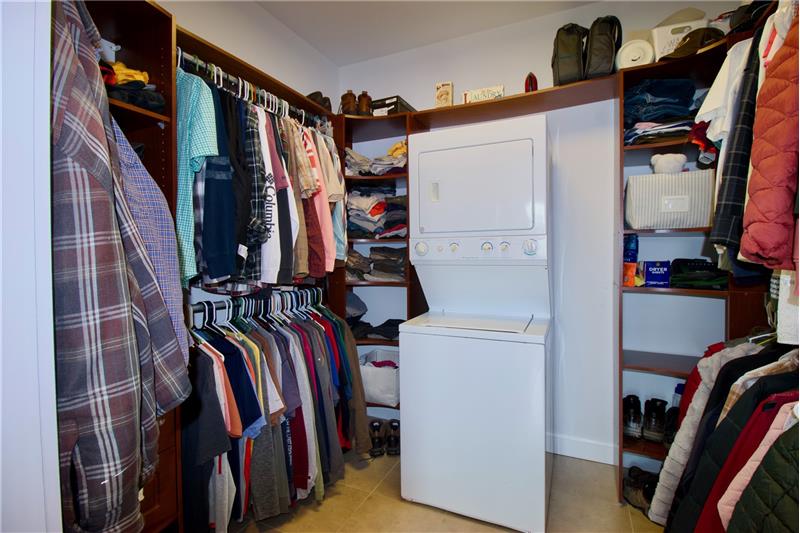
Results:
390 106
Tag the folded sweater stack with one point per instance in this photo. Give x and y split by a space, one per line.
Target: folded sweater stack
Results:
375 213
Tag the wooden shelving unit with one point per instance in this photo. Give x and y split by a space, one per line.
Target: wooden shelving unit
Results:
646 448
353 128
743 306
663 364
672 143
674 291
146 34
377 342
674 232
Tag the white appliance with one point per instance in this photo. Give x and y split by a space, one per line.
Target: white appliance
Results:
475 413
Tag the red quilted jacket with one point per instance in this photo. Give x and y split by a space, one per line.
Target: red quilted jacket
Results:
769 223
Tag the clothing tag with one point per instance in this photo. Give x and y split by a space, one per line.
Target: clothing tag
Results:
674 204
141 495
243 251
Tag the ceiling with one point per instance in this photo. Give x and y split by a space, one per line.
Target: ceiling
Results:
349 32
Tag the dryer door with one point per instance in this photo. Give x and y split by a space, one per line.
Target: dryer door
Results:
484 188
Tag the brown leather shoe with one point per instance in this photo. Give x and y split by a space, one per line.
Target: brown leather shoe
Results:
364 104
318 97
348 105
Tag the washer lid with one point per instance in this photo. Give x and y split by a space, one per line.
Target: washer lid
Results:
481 323
525 329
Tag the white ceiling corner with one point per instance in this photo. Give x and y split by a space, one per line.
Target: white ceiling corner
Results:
352 31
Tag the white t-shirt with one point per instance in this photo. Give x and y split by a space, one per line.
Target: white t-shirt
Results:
271 248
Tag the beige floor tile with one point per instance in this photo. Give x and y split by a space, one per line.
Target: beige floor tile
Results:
382 514
642 524
367 474
339 504
583 498
390 486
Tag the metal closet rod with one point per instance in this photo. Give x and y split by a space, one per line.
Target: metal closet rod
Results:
237 301
212 71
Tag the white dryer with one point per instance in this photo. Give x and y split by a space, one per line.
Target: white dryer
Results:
474 387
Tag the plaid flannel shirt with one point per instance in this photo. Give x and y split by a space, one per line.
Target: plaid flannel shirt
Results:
117 359
154 221
257 230
727 227
785 363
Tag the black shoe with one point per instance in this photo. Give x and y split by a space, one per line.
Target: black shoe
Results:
393 439
670 425
632 417
654 418
638 488
376 433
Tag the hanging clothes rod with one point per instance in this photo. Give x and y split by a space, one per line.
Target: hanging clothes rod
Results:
202 307
246 90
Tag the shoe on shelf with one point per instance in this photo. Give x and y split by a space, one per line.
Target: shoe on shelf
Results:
654 417
632 416
393 438
670 425
320 99
364 104
638 488
348 105
376 432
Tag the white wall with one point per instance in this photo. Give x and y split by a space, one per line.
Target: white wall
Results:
29 489
252 34
499 56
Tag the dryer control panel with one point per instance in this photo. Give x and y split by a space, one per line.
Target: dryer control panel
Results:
479 248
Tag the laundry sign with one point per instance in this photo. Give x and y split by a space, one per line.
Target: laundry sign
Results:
487 93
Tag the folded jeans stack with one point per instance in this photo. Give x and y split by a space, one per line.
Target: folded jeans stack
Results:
388 264
357 266
657 110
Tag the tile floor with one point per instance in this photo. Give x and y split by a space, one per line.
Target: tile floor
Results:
582 499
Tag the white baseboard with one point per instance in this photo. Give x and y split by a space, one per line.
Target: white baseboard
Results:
590 450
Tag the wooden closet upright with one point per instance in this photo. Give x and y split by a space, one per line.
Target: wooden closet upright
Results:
148 36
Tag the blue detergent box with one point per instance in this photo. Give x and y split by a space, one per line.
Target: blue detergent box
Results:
655 273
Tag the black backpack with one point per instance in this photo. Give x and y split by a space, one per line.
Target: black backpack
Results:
568 54
605 38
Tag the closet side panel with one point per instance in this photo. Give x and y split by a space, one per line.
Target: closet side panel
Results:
584 200
29 469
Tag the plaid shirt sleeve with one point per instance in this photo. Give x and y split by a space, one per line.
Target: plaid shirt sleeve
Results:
727 227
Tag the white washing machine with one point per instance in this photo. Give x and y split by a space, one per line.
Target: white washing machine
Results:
474 384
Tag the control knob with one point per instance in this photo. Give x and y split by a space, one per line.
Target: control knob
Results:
454 247
529 247
421 248
487 247
504 246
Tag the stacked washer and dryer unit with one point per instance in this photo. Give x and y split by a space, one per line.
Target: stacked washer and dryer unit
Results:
474 375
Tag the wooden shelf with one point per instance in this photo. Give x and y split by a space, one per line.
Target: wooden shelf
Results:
663 364
377 342
399 117
130 108
377 284
574 94
382 177
390 240
370 404
646 448
654 146
675 232
701 293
